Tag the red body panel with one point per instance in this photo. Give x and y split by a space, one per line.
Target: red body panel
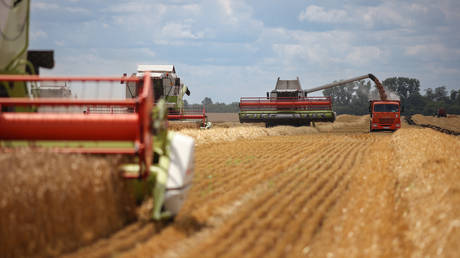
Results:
61 126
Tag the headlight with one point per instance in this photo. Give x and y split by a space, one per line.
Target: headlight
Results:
374 125
398 125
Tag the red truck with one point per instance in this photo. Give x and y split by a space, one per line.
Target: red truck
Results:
385 115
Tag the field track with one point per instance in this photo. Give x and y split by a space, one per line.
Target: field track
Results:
329 191
448 125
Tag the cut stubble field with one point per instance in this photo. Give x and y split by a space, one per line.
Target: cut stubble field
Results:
330 191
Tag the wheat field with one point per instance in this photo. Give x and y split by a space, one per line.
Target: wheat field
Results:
333 190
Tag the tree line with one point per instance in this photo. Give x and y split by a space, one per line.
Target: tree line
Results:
353 98
217 107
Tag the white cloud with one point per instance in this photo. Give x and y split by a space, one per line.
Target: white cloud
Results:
179 31
316 13
432 51
39 5
37 34
43 5
363 55
228 10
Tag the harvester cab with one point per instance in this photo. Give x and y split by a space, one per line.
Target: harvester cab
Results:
166 84
287 89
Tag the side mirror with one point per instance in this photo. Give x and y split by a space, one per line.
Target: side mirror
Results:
268 95
402 109
177 81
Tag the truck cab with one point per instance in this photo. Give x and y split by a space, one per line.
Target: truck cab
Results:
385 115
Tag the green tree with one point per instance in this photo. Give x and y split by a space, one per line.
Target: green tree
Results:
403 86
206 101
341 95
440 94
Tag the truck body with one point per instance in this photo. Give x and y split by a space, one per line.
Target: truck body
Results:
384 115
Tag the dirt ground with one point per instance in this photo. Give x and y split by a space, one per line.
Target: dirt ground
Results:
330 191
222 117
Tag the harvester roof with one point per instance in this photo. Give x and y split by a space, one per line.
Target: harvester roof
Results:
156 70
288 85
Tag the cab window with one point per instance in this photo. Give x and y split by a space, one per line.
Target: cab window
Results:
386 108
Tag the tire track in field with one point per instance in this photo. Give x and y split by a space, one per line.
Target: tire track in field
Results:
287 179
267 200
325 201
251 176
313 208
294 208
227 239
210 205
269 224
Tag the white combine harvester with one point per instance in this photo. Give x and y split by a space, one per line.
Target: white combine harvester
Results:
167 85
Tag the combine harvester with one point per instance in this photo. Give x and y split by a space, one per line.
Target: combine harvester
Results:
288 104
165 161
167 85
142 134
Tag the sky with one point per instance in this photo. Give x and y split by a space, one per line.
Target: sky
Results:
225 49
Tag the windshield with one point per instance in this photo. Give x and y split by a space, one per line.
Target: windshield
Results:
386 108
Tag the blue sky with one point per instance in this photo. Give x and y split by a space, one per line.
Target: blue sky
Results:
226 49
